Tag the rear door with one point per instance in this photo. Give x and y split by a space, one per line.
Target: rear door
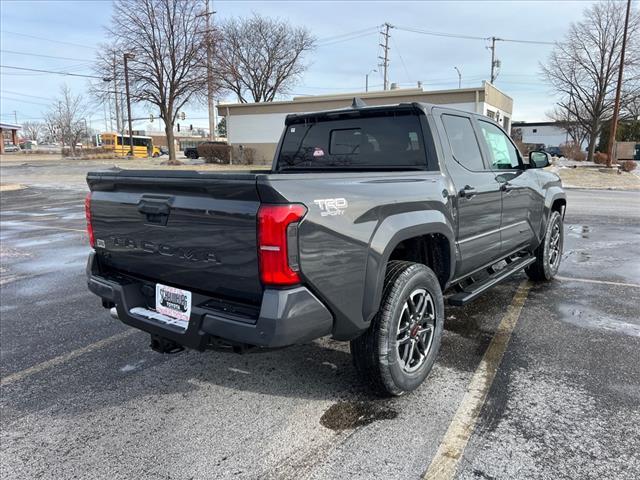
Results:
478 197
187 232
522 203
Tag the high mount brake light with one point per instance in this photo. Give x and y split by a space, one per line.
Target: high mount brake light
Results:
278 243
87 214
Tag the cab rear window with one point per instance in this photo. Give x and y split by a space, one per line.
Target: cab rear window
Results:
390 141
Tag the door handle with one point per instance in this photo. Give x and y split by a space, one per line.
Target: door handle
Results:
468 192
506 187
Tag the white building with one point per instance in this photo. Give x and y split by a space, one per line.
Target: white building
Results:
547 133
259 125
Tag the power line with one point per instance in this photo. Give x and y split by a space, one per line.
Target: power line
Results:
469 37
366 34
348 34
45 56
48 39
50 71
439 34
10 92
401 59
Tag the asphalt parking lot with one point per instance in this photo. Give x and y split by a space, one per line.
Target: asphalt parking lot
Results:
84 397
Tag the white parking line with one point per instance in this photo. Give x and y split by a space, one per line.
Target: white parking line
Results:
445 462
601 282
14 377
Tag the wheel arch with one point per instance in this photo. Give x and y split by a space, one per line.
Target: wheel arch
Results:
430 228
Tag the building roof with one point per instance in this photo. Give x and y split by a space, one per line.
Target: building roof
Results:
533 124
484 93
10 126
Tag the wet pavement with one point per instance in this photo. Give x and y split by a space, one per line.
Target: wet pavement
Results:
84 397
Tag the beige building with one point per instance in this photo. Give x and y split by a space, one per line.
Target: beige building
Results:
259 125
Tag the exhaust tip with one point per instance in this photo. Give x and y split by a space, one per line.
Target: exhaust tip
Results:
114 313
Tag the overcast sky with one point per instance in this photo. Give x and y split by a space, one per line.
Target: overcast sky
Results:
73 29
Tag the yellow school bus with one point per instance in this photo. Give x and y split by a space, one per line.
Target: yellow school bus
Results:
142 146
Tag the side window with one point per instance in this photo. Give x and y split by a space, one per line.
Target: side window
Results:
463 142
503 154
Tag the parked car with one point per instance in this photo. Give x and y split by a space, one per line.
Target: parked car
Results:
192 152
11 148
367 218
553 151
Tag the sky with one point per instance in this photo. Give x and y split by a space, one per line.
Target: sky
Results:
34 31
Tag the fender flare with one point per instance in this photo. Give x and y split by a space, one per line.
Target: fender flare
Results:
390 232
553 194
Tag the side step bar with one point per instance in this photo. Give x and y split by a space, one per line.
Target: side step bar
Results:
476 289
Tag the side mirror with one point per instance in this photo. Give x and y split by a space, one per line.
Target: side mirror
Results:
539 159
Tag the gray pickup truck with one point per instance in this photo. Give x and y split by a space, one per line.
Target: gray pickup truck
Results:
366 217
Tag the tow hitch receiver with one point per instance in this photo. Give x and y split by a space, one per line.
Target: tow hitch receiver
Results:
164 345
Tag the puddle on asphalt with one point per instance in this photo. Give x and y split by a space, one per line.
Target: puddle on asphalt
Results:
594 320
350 415
579 231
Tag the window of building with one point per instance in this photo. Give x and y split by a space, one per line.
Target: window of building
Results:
491 114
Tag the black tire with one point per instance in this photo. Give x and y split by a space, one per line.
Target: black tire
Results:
377 352
548 257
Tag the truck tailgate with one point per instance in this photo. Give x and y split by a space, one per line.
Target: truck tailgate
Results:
183 229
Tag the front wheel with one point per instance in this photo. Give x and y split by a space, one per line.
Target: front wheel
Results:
549 252
399 349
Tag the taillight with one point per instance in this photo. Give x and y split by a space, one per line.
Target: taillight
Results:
278 243
87 214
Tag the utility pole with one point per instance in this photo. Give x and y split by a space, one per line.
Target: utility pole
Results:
385 58
494 62
616 106
115 89
127 56
15 117
210 87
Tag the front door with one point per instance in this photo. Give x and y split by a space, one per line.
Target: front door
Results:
522 204
478 197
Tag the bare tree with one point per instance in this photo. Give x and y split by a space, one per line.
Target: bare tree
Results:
33 130
169 68
259 58
67 118
583 68
573 124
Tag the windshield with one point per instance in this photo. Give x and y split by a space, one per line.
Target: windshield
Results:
390 140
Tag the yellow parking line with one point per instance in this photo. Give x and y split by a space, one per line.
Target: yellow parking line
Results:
601 282
14 377
445 462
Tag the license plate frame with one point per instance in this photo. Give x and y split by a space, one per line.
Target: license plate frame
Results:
174 302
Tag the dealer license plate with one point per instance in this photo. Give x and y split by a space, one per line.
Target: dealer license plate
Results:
173 302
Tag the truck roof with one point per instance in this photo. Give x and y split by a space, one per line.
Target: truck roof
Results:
359 108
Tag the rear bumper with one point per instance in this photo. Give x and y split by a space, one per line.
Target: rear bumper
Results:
286 317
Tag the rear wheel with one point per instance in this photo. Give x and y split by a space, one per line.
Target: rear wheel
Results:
399 349
549 252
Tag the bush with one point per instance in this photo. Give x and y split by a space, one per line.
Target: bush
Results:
84 151
215 153
573 151
244 155
628 165
600 158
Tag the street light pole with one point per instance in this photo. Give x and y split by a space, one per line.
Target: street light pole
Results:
366 79
127 56
459 77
